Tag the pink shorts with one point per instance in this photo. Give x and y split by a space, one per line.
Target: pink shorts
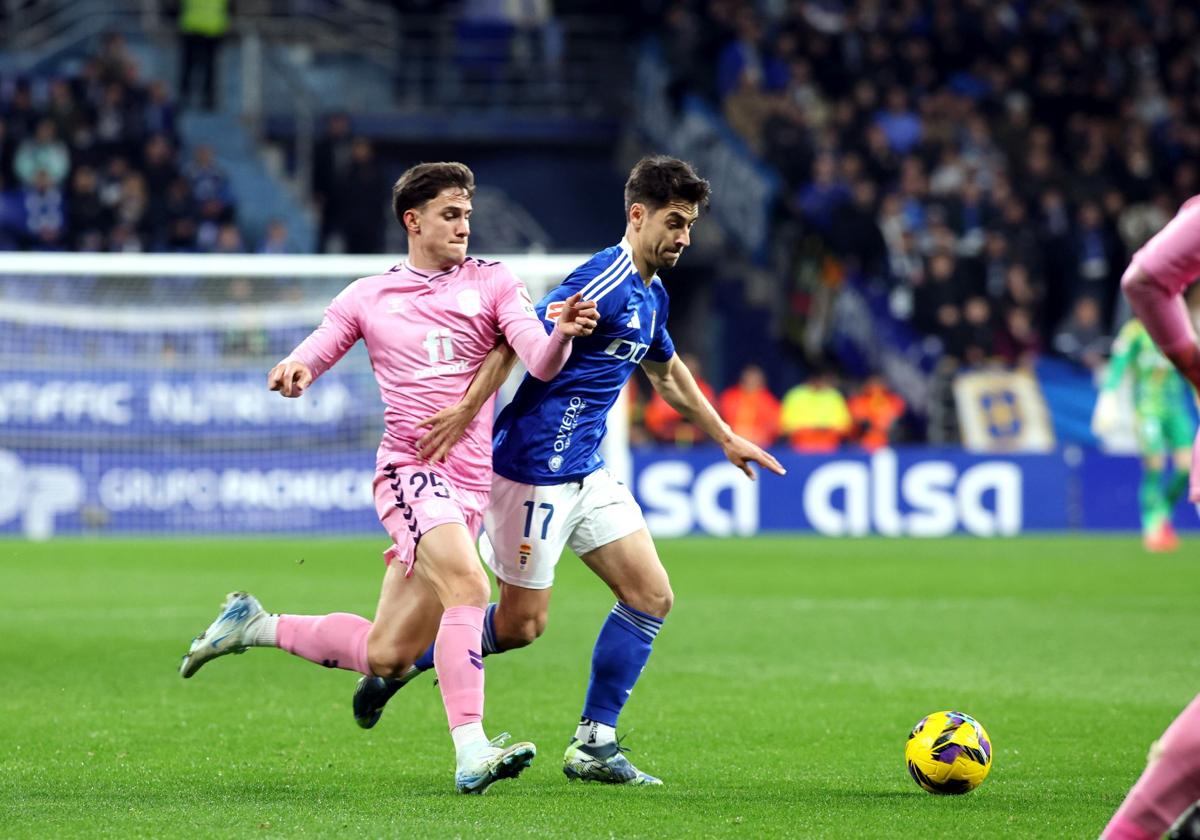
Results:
1172 256
413 498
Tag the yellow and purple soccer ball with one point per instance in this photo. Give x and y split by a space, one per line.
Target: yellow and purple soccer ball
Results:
948 752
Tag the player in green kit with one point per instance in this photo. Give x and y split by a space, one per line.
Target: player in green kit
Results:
1163 424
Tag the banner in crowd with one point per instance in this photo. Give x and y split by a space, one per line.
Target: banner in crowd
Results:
1002 411
913 492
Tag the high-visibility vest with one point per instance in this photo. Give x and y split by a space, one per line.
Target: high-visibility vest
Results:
205 17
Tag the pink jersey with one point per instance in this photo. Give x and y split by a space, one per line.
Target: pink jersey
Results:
427 333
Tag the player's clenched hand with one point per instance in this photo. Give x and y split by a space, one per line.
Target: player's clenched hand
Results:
289 378
578 317
445 429
742 452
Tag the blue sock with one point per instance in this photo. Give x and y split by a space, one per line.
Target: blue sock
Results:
425 660
621 651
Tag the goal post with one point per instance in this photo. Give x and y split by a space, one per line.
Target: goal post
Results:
133 397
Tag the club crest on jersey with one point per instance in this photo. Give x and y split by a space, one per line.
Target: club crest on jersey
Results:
468 302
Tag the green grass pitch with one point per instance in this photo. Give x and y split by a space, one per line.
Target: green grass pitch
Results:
776 703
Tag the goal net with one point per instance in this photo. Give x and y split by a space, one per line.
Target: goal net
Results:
133 395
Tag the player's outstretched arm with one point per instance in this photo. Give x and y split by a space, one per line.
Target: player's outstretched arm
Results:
290 378
449 424
678 387
336 334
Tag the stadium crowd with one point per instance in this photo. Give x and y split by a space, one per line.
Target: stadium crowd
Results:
813 416
94 162
991 165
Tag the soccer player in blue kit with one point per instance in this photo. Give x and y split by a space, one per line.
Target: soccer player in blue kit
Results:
550 487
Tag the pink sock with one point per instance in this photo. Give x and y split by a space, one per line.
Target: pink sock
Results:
1165 316
1167 786
458 660
337 640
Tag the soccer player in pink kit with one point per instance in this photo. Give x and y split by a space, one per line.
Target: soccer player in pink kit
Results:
428 325
1154 284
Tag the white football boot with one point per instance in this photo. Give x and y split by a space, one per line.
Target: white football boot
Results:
493 763
231 632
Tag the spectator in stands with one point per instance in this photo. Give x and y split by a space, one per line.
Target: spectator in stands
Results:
45 214
68 118
666 424
276 240
360 202
747 108
1099 259
21 115
202 25
88 219
900 124
750 409
209 221
978 343
209 181
117 129
113 59
43 153
159 170
875 412
938 296
131 209
1082 339
819 200
112 181
229 240
745 61
1018 342
855 234
815 416
177 231
159 114
331 167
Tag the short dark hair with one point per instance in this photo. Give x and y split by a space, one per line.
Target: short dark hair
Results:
657 180
423 182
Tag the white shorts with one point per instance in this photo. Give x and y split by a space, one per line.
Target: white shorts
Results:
528 524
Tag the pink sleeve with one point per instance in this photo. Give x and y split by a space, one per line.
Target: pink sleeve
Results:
544 355
329 342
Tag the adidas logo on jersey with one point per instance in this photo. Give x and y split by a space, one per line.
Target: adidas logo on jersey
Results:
634 322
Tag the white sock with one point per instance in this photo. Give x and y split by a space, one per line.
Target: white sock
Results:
468 738
265 632
593 733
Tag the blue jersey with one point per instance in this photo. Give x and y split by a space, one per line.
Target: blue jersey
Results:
551 431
